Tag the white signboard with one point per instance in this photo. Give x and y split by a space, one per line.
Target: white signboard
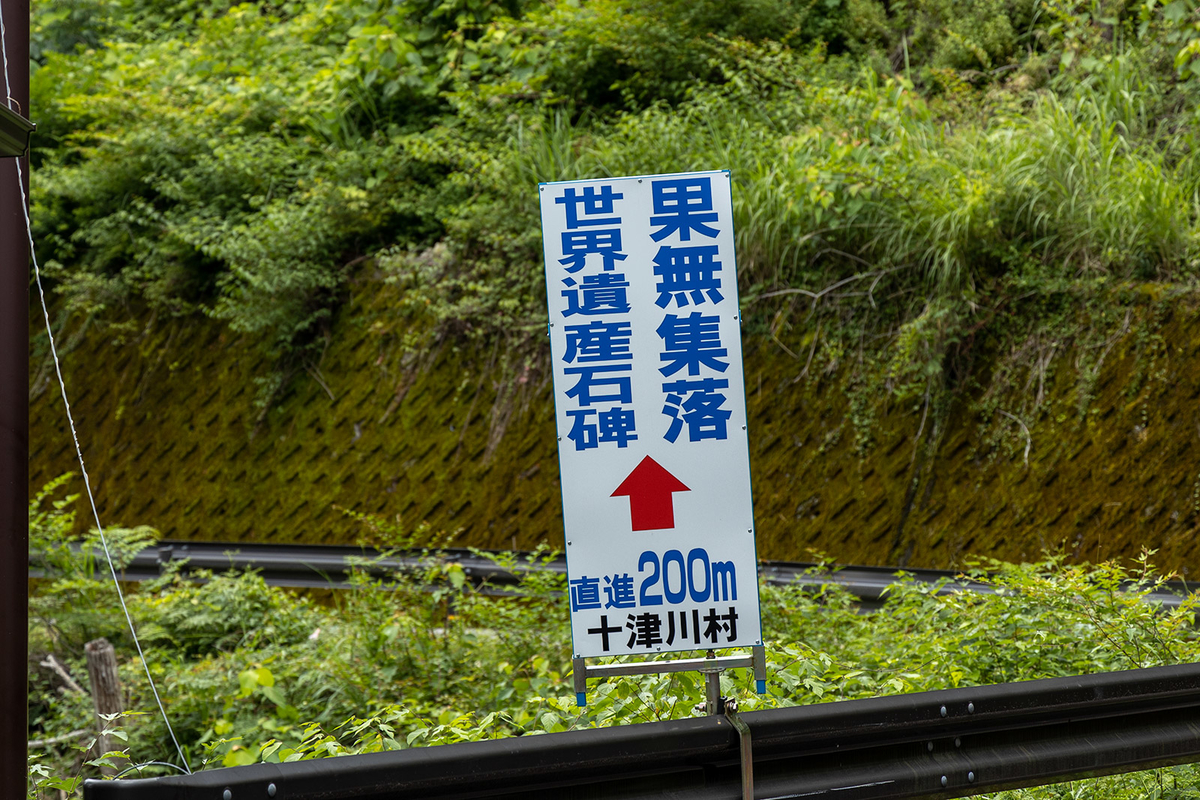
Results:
645 335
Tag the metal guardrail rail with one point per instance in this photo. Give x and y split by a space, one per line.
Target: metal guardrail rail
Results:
951 743
323 566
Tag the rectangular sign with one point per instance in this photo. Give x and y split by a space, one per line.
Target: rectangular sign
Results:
646 342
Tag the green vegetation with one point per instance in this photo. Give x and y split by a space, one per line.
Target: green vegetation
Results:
946 176
921 186
249 672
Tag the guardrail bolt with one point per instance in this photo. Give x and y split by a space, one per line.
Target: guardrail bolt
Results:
970 777
943 711
970 708
957 742
270 790
929 746
945 781
228 795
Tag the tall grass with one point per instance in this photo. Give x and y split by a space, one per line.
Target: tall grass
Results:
835 181
868 176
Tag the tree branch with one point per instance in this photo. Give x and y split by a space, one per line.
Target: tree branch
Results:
53 664
876 274
66 737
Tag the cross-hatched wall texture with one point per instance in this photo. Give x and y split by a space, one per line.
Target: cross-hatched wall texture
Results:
175 437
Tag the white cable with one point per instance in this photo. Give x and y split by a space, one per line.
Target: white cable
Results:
74 435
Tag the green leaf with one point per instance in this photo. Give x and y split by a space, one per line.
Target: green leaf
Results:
274 695
248 680
239 757
1175 12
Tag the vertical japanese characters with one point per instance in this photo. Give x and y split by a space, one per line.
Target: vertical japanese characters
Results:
688 276
598 344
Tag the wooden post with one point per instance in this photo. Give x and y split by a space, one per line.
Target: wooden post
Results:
106 691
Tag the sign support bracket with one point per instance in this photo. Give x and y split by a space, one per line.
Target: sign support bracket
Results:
712 666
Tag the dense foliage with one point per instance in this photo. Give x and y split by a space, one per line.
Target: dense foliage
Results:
943 165
915 180
249 672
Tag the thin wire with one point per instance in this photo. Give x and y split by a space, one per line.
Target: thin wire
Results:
71 420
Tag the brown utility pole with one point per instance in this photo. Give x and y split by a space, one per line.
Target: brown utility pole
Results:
14 425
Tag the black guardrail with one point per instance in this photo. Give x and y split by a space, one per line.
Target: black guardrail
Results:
316 566
951 743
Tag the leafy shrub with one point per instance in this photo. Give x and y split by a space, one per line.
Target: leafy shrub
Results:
75 598
207 613
245 161
251 672
946 34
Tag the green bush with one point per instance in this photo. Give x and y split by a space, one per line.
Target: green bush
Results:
249 672
246 161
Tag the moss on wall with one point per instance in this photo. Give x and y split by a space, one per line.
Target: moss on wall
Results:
173 436
1102 478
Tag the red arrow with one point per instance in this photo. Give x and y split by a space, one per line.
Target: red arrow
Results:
649 488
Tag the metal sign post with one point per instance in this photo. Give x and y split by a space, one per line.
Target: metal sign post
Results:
645 335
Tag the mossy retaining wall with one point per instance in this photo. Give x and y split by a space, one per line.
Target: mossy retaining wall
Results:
173 438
